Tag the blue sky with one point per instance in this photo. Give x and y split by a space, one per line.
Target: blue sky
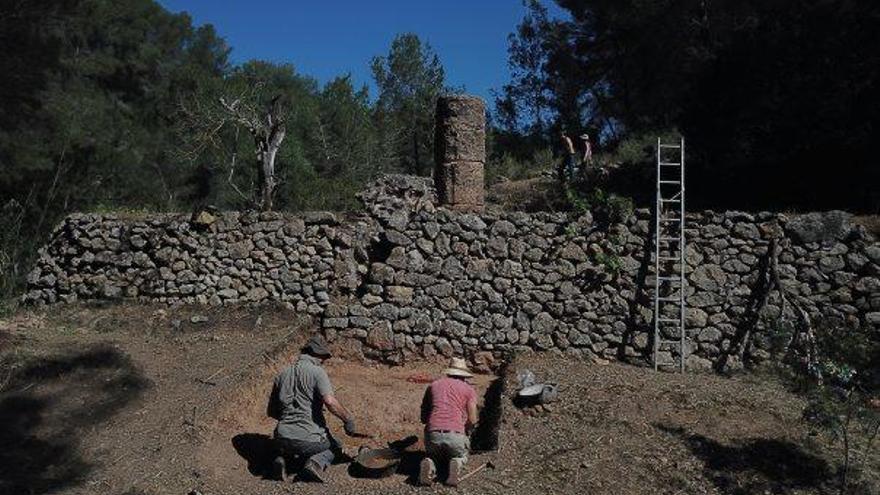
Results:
327 38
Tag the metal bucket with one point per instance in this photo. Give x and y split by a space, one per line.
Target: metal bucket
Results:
376 463
541 393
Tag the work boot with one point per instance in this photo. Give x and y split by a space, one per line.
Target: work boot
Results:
279 468
312 472
455 467
427 472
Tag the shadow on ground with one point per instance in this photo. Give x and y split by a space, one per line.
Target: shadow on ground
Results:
258 450
46 407
758 465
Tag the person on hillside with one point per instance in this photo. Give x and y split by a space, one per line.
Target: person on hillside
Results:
569 161
449 412
298 397
588 151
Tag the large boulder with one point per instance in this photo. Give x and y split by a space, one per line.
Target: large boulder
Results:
820 226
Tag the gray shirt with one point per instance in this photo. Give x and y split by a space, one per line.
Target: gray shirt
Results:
297 401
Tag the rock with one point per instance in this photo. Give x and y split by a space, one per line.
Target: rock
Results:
371 299
444 347
380 336
831 264
335 323
868 285
228 293
320 218
873 253
696 318
386 311
746 231
573 252
543 323
708 277
710 334
197 319
820 226
502 228
389 195
697 363
496 247
451 269
399 294
241 250
472 222
257 294
380 273
483 362
203 220
111 291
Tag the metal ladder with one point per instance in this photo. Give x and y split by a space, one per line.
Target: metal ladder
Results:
670 283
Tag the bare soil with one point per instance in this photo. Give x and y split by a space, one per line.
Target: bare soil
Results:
140 400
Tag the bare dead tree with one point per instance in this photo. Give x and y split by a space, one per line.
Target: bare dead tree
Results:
266 124
268 129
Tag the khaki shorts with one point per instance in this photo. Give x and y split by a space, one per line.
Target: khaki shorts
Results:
445 446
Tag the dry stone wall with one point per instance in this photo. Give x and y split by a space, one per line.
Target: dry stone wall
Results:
240 258
416 280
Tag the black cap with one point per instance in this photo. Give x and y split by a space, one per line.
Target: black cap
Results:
317 347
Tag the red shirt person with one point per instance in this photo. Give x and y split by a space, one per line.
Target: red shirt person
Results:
449 411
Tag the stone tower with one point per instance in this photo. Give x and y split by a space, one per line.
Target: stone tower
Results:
460 152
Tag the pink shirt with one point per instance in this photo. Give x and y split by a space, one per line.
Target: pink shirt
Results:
449 399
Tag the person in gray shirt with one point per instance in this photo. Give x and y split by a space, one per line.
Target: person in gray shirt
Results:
297 402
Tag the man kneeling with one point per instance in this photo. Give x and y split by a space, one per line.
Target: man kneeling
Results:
298 398
449 412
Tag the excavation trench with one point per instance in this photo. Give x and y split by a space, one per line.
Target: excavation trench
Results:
385 401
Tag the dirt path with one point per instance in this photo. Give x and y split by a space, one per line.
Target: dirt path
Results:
135 400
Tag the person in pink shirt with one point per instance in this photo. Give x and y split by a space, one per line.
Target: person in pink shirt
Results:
449 412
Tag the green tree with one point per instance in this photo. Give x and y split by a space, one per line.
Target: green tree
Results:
89 91
345 134
523 105
779 91
409 78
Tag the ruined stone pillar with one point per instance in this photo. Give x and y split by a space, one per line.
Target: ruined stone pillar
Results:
460 152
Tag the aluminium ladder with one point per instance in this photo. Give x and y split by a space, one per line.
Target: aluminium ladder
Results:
669 257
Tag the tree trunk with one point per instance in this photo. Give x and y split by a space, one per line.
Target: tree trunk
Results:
269 183
267 156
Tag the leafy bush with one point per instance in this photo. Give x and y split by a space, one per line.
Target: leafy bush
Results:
611 262
841 381
605 207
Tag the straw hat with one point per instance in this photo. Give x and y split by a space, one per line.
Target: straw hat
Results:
458 367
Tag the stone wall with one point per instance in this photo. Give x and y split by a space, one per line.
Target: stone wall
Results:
239 258
416 280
